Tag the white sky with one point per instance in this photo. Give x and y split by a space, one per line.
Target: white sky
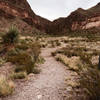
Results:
53 9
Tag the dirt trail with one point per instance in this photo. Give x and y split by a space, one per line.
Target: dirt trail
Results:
49 83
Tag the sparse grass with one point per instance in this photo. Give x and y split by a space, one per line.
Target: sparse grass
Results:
85 68
6 86
81 52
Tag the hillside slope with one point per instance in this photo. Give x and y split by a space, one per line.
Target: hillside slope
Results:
78 20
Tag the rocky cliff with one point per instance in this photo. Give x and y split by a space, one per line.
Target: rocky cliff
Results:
78 20
19 13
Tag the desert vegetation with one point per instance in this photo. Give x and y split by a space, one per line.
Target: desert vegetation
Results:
22 53
80 55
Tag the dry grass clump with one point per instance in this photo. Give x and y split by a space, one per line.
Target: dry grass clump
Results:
19 75
72 63
2 61
6 86
82 52
35 50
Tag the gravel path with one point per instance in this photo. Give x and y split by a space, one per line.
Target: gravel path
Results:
49 83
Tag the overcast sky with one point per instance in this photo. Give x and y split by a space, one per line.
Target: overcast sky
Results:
53 9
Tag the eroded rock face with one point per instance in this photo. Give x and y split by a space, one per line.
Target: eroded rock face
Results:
13 11
81 19
87 24
20 9
78 20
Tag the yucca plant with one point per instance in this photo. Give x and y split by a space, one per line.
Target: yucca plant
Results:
11 37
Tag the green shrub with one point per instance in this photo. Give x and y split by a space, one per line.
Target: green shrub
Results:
90 83
11 36
24 60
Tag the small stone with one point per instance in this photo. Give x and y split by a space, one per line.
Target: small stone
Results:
39 96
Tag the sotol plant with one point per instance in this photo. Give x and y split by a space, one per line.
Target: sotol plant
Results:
11 37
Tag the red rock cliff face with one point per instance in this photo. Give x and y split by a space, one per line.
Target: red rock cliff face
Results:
10 9
78 20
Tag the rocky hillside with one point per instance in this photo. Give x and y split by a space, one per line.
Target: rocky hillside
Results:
78 20
19 13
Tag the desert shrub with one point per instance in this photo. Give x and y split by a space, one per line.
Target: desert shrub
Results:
40 60
2 61
19 75
90 83
11 36
22 46
12 52
43 45
36 71
65 41
24 60
35 50
58 43
6 87
53 54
